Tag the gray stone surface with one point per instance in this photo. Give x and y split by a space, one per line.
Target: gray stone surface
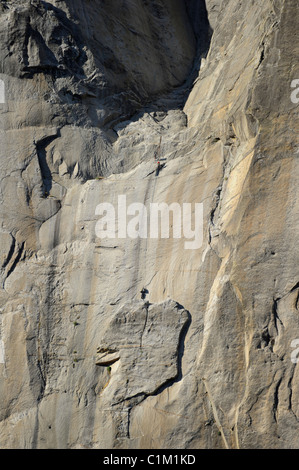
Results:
93 94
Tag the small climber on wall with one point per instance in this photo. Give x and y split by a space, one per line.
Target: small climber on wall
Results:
143 293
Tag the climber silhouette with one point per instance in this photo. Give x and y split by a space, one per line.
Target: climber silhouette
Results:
143 293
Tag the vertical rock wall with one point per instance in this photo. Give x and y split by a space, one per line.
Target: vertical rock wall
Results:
93 94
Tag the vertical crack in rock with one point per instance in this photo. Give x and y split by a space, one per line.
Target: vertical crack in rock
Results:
146 307
46 174
276 399
10 253
215 413
290 397
17 257
275 314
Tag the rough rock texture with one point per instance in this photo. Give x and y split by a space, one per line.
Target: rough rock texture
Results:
94 91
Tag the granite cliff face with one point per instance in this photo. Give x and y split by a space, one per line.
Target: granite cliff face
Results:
95 91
